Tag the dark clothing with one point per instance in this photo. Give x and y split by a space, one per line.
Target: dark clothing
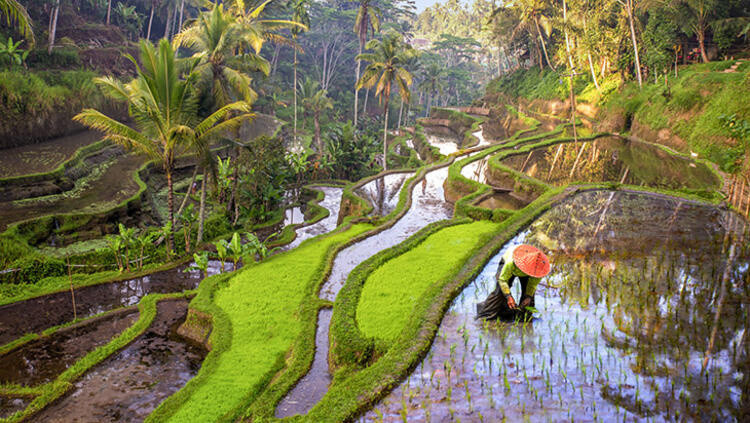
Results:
496 304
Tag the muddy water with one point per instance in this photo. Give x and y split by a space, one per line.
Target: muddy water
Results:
11 405
129 385
44 359
44 156
623 325
293 215
37 314
503 200
382 192
318 372
613 159
332 202
428 206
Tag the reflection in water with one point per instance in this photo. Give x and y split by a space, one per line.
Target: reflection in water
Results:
625 320
447 144
476 170
332 202
613 159
382 192
428 206
129 385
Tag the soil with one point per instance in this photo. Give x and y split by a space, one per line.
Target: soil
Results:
131 384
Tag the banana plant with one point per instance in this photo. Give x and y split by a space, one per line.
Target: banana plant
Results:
164 232
115 244
144 239
127 235
11 52
222 251
237 249
200 262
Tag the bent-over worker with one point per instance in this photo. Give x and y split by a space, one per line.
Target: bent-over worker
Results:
529 265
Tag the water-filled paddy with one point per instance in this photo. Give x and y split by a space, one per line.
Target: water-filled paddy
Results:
613 159
625 321
382 192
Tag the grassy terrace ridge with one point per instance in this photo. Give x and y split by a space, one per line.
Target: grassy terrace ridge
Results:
391 290
47 393
257 310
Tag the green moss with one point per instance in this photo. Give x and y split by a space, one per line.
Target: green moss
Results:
390 291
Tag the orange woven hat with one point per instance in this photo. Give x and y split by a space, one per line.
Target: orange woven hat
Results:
531 261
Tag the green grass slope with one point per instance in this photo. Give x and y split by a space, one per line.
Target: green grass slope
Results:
261 302
390 292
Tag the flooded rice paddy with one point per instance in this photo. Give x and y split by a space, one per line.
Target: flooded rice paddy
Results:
613 159
332 202
44 156
129 385
625 321
502 200
428 205
383 192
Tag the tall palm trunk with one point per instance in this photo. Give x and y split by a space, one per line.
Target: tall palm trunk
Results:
53 27
400 113
544 45
629 7
385 128
182 9
202 212
170 202
109 10
168 26
356 90
318 139
701 33
150 21
367 96
567 38
295 96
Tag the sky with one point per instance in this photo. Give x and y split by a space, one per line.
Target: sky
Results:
423 4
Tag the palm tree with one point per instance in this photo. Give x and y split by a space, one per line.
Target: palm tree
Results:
315 101
629 6
367 19
432 82
164 107
16 17
386 67
300 15
215 36
259 29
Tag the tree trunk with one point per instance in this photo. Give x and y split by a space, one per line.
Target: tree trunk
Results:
629 6
235 184
182 9
544 45
356 90
187 193
202 212
318 139
702 43
109 10
385 131
55 12
593 74
295 96
567 38
367 96
400 113
167 27
170 203
150 21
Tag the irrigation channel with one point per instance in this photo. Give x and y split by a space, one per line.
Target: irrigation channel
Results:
130 384
625 321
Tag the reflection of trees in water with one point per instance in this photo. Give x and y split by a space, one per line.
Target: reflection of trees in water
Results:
657 267
611 159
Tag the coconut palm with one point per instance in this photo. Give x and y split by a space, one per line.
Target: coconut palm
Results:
386 66
432 82
16 16
367 19
315 101
300 15
164 107
532 14
261 30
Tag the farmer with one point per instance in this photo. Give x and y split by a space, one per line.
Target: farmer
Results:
527 263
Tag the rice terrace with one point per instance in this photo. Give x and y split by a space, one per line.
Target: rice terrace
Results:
374 211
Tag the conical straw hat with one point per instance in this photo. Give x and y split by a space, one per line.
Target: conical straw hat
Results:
531 261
